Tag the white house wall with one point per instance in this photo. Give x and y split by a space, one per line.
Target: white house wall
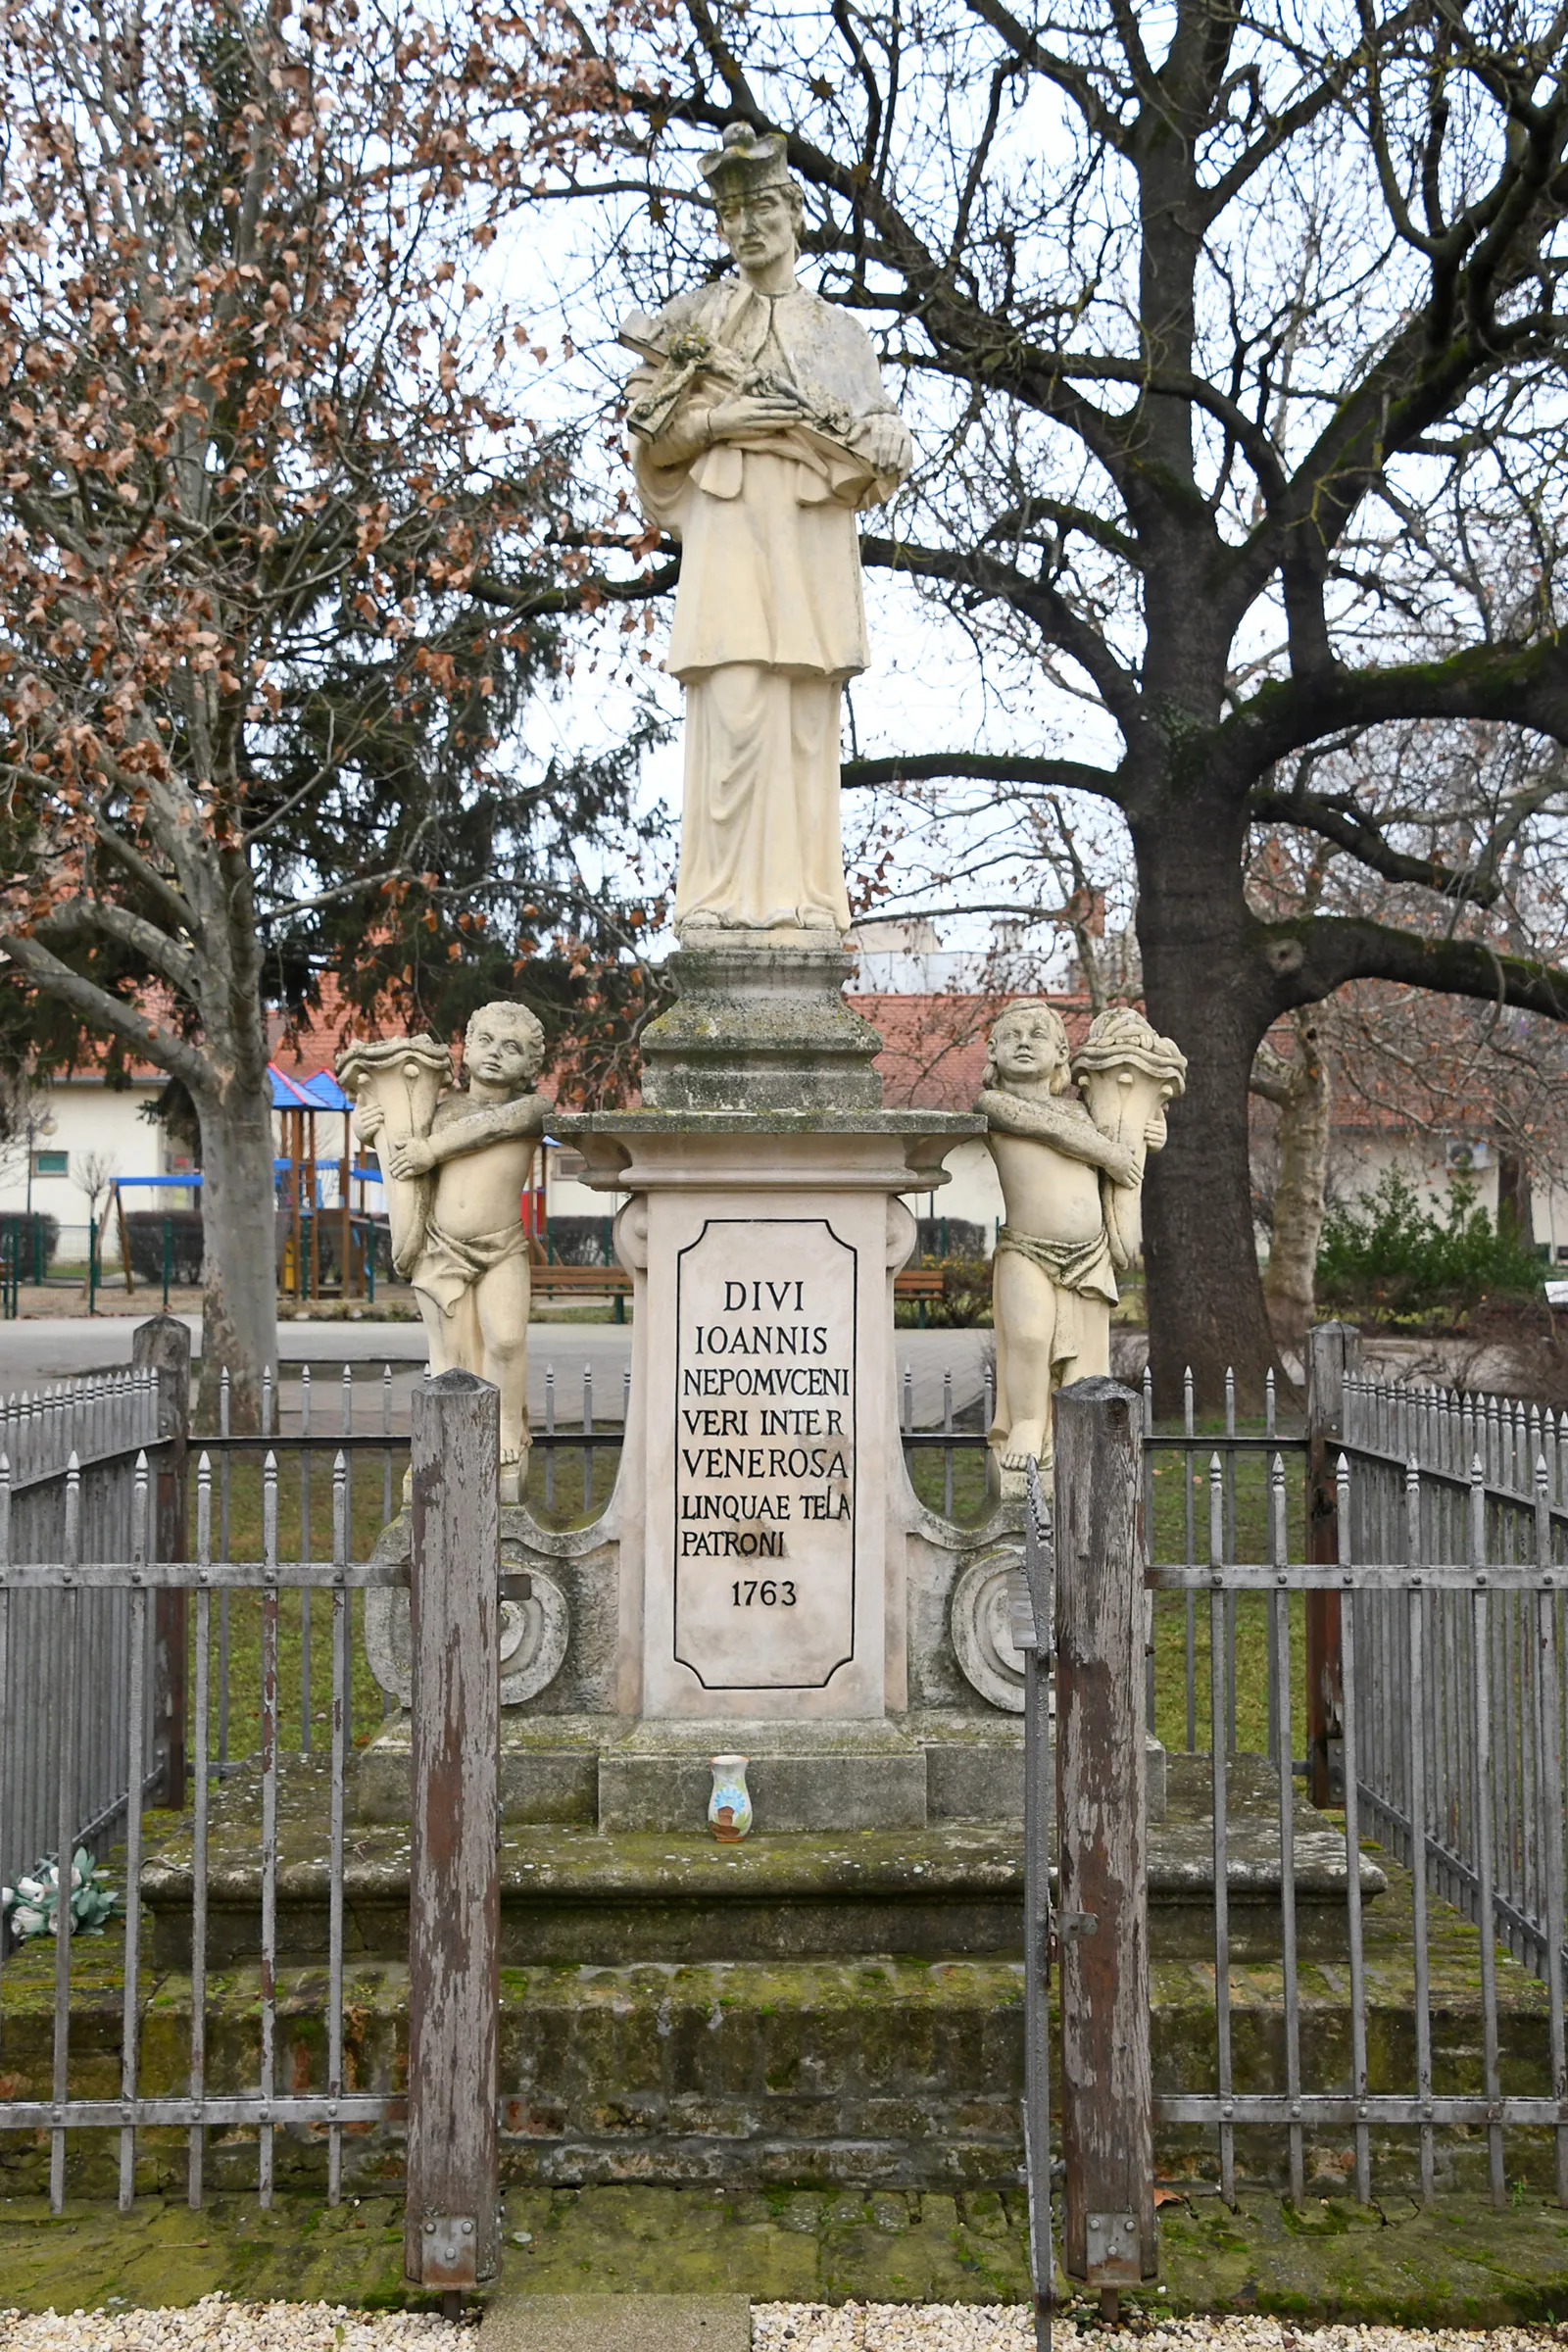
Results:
92 1117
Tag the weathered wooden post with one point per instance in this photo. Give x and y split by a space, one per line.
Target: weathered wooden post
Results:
451 2231
1333 1357
1103 1916
162 1344
1033 1632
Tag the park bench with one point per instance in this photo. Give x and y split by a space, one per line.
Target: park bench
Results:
921 1282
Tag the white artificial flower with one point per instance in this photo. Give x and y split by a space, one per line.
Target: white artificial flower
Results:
28 1922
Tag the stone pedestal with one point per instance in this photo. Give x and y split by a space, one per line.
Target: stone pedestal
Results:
761 1028
764 1579
763 1572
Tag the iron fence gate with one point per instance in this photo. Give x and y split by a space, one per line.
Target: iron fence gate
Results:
74 1585
1435 1626
1436 1649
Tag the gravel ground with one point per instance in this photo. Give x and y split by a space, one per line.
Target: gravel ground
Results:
1009 2327
216 2324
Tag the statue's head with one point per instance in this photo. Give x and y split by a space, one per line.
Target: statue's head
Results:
504 1046
1027 1042
756 197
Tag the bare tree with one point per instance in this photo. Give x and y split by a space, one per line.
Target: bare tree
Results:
1234 344
93 1174
1299 1085
274 578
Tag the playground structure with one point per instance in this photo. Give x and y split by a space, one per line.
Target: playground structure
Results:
332 1237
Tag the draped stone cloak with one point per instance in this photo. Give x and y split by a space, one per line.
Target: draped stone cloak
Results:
770 567
770 617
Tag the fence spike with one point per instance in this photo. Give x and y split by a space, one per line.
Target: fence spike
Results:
270 1511
72 1511
1187 1395
138 1510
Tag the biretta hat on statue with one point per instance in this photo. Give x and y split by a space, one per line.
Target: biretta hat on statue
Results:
746 162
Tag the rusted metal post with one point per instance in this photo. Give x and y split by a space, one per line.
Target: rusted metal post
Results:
1333 1354
1102 1774
451 2232
163 1345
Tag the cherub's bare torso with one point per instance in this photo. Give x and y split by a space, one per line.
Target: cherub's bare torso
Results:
478 1188
1045 1192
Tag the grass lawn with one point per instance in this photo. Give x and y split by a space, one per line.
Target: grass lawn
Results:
1244 1514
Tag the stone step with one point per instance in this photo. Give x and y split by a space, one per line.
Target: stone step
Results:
575 1897
900 2071
579 1896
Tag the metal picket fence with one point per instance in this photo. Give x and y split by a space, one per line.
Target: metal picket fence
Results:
66 1451
74 1585
1460 1766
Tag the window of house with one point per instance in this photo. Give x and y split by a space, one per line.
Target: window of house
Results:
51 1163
571 1164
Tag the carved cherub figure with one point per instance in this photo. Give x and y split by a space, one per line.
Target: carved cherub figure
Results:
466 1252
1064 1182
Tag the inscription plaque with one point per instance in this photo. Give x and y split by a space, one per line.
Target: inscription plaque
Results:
765 1453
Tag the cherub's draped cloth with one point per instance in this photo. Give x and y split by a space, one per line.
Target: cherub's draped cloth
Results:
770 619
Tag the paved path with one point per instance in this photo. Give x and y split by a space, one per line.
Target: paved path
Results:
45 1348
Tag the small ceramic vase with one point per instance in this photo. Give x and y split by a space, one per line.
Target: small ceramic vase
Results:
729 1808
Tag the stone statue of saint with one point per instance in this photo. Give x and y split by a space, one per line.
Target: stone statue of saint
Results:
1070 1176
456 1164
760 429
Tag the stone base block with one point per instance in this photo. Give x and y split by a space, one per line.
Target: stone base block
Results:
549 1770
975 1767
599 1771
802 1777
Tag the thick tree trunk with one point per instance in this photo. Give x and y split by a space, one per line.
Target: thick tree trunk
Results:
239 1268
1516 1210
1202 986
1306 1102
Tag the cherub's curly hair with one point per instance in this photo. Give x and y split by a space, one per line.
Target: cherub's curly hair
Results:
1058 1028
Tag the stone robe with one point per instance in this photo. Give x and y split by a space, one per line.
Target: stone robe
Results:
770 617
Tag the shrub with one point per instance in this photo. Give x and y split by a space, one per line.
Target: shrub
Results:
965 1299
144 1231
1389 1259
959 1237
27 1233
582 1242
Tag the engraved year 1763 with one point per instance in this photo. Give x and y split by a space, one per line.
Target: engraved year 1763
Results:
767 1591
